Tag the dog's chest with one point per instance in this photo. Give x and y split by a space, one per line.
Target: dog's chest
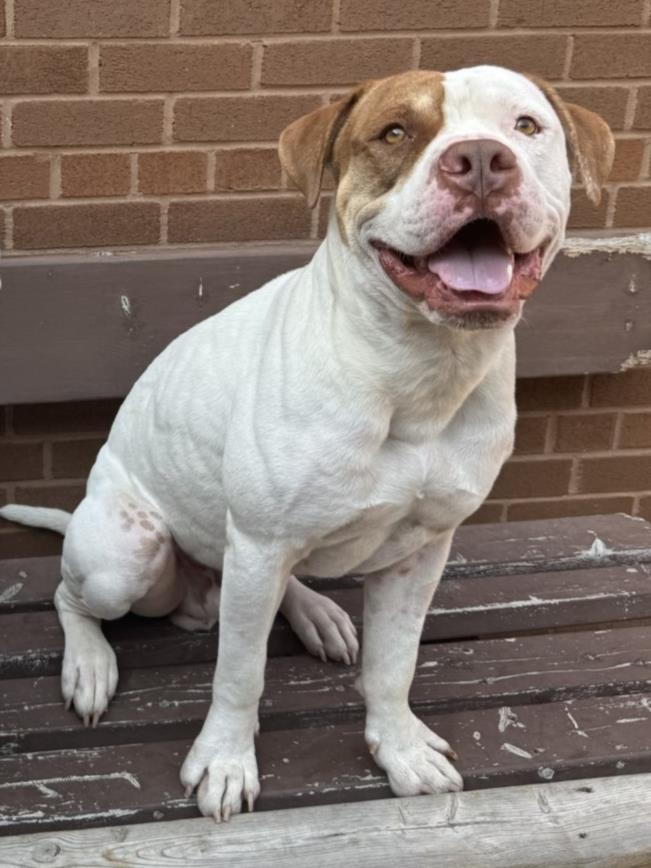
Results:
420 492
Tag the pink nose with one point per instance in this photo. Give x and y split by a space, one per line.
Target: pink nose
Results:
480 166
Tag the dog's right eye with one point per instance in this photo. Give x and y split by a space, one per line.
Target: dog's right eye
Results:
393 134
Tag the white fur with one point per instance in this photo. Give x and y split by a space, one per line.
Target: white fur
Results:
320 425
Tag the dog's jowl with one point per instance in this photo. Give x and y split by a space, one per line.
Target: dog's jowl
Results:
346 417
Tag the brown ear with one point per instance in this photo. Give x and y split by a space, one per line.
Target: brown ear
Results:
305 146
589 140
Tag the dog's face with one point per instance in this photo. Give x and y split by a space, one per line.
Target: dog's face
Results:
452 189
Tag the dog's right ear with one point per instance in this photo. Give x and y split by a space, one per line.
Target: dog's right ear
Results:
305 146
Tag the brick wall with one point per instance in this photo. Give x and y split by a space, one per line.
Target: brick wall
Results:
583 447
154 122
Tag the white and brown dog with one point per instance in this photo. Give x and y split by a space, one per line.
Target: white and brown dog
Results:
346 417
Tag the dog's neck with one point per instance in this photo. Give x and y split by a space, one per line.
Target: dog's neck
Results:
388 346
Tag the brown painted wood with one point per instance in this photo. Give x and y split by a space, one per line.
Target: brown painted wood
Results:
32 641
326 764
28 584
160 704
74 327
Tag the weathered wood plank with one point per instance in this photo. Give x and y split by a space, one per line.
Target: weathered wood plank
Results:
28 584
556 825
171 702
32 641
137 783
129 306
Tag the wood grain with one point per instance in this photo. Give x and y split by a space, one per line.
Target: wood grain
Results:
557 825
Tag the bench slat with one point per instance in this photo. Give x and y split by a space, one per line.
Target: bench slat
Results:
101 786
33 641
171 702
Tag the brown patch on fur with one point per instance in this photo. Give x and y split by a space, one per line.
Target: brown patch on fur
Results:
147 525
589 140
347 136
159 536
149 547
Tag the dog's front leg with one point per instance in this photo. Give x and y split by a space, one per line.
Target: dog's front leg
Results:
222 759
395 604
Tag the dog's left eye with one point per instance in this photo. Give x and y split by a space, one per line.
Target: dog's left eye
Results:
527 126
393 135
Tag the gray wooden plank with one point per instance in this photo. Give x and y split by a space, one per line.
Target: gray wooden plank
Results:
160 704
127 307
326 764
555 825
28 584
32 641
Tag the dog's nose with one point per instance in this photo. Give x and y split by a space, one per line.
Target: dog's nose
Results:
480 166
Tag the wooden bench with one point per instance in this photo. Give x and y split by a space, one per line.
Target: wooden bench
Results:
535 659
535 663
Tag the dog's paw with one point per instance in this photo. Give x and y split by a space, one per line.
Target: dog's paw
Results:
414 757
323 627
89 677
225 779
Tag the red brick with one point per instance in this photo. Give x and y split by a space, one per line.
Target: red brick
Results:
643 109
413 14
3 28
607 101
488 513
611 55
585 215
334 61
73 459
43 68
95 175
621 390
549 393
628 160
585 432
56 495
615 473
633 207
560 507
635 431
238 220
96 225
174 67
30 543
65 417
237 118
229 17
529 478
568 13
530 434
163 172
21 461
247 169
88 122
24 177
45 19
543 55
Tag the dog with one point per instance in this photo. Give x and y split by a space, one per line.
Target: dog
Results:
344 418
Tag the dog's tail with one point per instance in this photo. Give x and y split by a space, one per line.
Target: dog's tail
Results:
37 516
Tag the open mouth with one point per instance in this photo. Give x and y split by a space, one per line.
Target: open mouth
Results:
475 271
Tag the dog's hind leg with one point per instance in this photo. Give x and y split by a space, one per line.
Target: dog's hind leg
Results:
322 626
117 557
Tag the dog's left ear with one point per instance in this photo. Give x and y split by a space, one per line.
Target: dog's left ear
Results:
305 146
589 140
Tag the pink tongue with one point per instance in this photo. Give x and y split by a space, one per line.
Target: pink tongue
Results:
483 267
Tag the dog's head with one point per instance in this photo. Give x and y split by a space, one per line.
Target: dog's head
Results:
453 189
